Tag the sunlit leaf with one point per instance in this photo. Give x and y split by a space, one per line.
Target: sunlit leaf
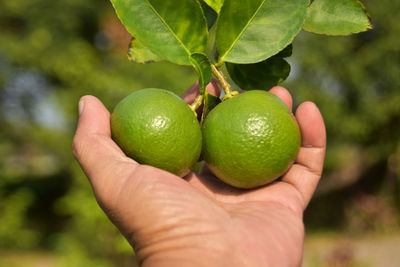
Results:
173 30
251 31
203 67
141 54
339 17
215 4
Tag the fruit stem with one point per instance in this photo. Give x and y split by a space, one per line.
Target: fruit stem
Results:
197 103
225 85
219 64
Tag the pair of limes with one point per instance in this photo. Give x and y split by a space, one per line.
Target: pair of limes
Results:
247 141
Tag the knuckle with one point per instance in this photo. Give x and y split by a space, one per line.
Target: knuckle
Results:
78 147
75 145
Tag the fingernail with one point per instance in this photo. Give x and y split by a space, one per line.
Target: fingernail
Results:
81 106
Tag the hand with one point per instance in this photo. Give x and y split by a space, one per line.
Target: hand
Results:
199 221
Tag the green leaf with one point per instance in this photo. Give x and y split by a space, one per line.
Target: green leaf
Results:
251 31
173 30
259 76
141 54
339 17
203 67
210 14
215 4
210 102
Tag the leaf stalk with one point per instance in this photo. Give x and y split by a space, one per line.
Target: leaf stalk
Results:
224 83
197 103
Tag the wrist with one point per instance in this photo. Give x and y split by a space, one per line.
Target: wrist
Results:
206 251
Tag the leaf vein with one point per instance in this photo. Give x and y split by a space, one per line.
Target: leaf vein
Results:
243 30
168 27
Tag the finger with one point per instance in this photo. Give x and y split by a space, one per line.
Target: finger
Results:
99 156
93 124
213 88
283 94
305 174
311 125
119 183
191 93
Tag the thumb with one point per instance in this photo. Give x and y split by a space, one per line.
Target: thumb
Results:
99 156
130 194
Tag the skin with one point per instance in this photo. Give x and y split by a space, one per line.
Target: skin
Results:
198 220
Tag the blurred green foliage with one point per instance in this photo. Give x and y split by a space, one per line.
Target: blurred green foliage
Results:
53 52
356 83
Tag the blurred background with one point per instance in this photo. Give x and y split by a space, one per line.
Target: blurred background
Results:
54 52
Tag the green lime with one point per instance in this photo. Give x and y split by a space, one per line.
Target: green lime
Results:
251 139
157 128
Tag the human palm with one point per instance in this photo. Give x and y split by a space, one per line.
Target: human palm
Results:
198 220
